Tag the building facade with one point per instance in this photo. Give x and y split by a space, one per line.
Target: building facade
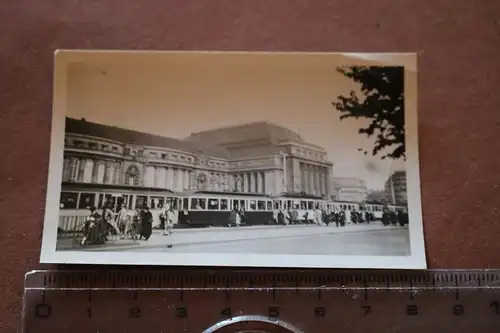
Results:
349 189
395 188
255 158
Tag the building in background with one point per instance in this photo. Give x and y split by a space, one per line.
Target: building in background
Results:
395 188
254 158
349 189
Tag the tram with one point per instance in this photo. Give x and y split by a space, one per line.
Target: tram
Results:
213 208
200 208
303 204
77 198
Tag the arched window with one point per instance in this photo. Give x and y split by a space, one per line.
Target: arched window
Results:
132 176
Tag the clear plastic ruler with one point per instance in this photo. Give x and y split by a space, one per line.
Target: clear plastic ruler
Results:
197 301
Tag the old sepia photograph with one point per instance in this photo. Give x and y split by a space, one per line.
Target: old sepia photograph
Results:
255 159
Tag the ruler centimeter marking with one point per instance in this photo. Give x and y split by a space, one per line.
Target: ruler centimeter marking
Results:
467 296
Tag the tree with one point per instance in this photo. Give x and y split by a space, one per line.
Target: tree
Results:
376 196
382 103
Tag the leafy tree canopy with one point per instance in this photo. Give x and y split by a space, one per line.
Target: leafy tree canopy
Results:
382 103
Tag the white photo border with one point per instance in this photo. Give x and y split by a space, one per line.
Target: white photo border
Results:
49 254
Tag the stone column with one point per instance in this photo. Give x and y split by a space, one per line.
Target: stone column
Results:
118 173
160 178
310 179
317 181
245 182
278 181
329 189
303 180
263 182
170 179
149 176
256 182
295 176
179 180
259 182
108 173
269 180
81 169
101 169
231 182
186 179
95 171
250 182
322 181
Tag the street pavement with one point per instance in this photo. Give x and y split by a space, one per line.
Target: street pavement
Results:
353 239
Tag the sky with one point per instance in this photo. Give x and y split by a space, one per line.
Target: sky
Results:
175 94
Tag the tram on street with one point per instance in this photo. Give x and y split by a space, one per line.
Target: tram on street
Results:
213 208
201 208
77 198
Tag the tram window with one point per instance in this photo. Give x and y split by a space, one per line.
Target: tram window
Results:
303 205
269 205
185 203
213 204
100 201
276 204
235 204
252 205
242 205
141 201
122 201
157 202
198 203
68 200
261 205
309 205
289 204
109 201
223 204
172 203
86 201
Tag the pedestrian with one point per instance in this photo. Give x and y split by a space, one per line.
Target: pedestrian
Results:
281 218
317 216
91 228
386 217
147 223
169 221
122 220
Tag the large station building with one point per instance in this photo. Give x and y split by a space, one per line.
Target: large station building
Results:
255 158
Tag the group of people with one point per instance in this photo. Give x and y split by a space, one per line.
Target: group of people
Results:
339 218
237 217
97 227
